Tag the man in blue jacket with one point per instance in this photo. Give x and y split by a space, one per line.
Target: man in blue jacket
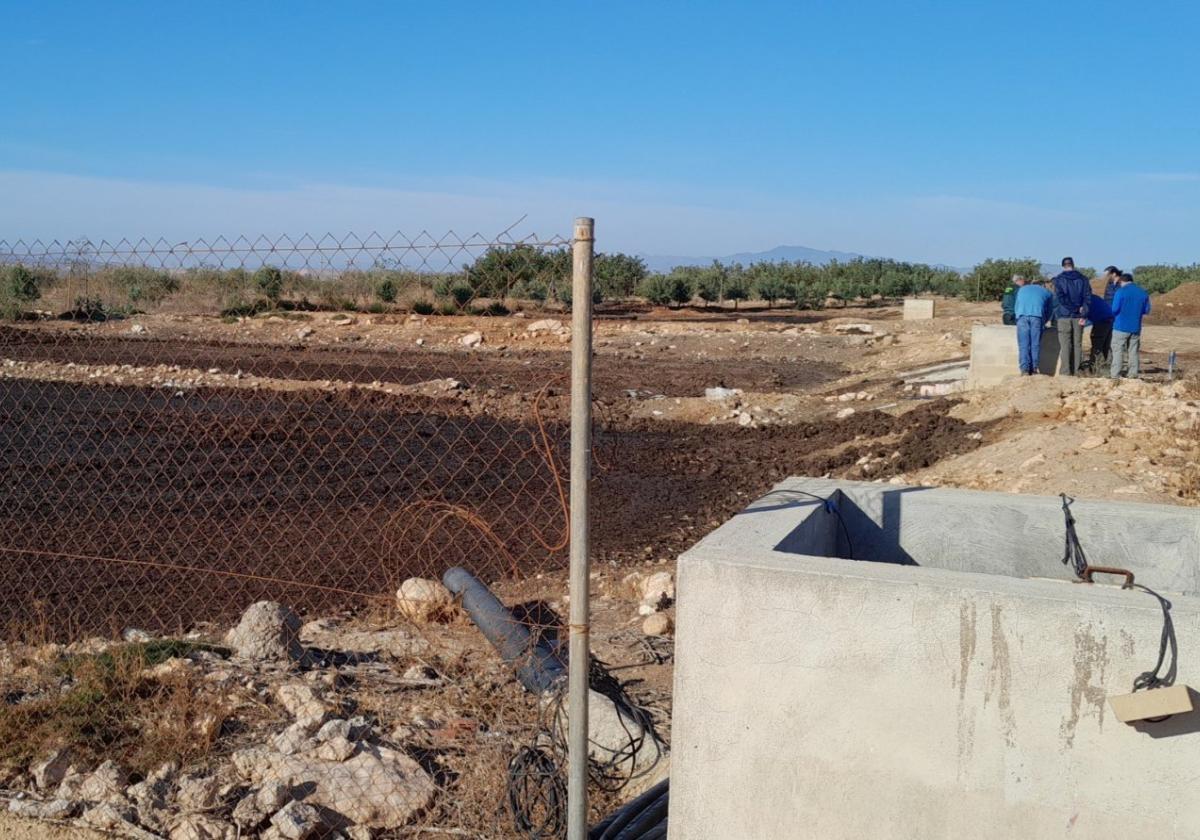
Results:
1100 314
1032 308
1112 279
1072 292
1130 305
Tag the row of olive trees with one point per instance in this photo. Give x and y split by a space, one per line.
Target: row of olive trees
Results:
526 272
803 284
499 274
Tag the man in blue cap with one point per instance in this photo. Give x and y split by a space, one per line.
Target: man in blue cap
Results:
1072 293
1130 305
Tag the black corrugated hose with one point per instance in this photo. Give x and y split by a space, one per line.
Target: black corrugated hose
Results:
643 818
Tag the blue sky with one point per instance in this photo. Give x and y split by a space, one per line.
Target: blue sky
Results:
942 131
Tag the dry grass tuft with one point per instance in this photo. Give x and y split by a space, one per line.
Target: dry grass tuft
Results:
111 705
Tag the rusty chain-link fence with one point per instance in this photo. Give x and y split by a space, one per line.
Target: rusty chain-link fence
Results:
188 429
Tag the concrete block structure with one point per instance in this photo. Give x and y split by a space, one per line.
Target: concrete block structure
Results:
918 309
919 664
994 353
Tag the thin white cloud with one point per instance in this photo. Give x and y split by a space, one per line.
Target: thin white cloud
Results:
645 218
1170 177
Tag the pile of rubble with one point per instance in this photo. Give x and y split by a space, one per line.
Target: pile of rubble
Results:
325 774
301 746
1089 437
1160 423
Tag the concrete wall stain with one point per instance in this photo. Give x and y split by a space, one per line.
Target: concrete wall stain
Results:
966 652
1091 662
966 646
1127 646
999 679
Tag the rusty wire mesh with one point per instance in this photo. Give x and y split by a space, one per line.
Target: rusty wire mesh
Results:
189 428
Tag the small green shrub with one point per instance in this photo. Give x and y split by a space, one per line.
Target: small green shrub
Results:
455 288
388 290
242 309
269 281
18 286
422 307
462 293
142 284
448 307
89 309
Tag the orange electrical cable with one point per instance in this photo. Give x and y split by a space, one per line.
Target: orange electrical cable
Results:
179 567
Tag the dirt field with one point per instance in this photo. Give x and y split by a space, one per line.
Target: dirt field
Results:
173 469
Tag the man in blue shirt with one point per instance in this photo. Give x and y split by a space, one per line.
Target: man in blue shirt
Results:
1072 292
1130 305
1100 314
1033 310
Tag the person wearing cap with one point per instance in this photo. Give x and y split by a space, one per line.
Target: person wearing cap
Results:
1008 303
1130 305
1032 308
1072 292
1100 314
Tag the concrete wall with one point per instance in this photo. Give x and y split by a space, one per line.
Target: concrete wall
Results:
987 533
918 309
821 697
994 353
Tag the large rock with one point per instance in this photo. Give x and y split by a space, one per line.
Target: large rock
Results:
303 703
658 587
335 749
54 809
615 737
202 827
297 821
198 794
105 784
267 630
254 808
150 795
116 820
379 787
659 624
552 325
421 599
51 770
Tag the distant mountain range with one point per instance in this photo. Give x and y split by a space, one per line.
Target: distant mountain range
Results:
788 253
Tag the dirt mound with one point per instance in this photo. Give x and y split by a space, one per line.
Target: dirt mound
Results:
666 484
1180 305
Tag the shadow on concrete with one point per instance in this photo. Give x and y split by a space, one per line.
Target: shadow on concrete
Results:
847 531
1176 725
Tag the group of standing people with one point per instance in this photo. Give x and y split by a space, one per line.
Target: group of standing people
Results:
1068 304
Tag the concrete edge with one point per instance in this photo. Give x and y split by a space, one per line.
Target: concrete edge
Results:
1063 592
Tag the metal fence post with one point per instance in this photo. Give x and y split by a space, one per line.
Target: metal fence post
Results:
582 246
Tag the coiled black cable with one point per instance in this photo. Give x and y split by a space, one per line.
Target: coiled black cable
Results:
537 794
643 818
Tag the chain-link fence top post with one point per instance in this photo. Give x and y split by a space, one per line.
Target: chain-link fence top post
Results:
583 246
